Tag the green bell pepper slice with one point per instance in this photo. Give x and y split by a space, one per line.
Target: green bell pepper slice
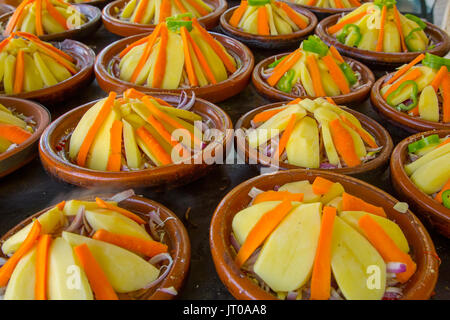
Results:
424 142
351 29
286 82
413 97
446 198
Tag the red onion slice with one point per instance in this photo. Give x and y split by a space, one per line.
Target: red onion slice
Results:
326 165
157 259
77 222
170 290
395 267
122 195
292 295
392 293
234 243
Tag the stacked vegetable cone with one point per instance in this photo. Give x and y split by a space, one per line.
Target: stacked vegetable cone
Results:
313 70
267 17
132 133
156 11
47 252
178 54
317 241
30 64
14 128
312 134
337 4
41 17
421 91
379 26
429 168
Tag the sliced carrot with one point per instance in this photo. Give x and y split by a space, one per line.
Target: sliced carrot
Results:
198 7
238 13
266 115
19 73
380 41
296 101
38 14
92 132
56 14
337 74
40 286
262 229
158 126
161 58
414 111
321 274
352 203
278 196
315 76
164 10
140 11
413 75
148 248
386 247
15 17
321 185
444 188
330 100
138 42
283 67
443 143
263 21
96 276
180 6
398 24
187 58
343 142
115 157
5 42
122 211
226 59
61 205
154 146
339 4
338 26
336 54
355 3
442 73
285 136
13 133
50 50
363 134
293 15
405 69
7 269
446 98
311 2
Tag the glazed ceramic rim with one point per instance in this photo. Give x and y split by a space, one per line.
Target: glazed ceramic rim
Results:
407 189
238 284
323 10
368 123
273 93
399 118
179 239
386 58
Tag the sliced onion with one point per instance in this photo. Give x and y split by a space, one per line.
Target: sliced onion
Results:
183 99
292 295
234 242
77 222
118 197
335 295
188 105
157 259
254 192
395 267
170 290
252 259
326 165
392 293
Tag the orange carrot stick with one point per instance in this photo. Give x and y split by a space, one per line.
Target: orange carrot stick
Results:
122 211
315 76
321 185
162 131
19 72
13 133
387 247
413 75
283 67
61 205
339 4
38 14
355 3
293 15
296 101
5 42
96 276
238 13
321 274
444 188
337 74
446 98
164 10
442 73
148 248
198 7
344 143
379 46
338 26
266 115
187 58
278 196
398 24
311 2
40 286
90 136
148 48
330 100
285 136
263 21
336 54
56 14
50 50
352 203
115 158
262 229
443 143
7 269
161 58
363 134
180 6
154 146
138 42
405 69
140 11
15 17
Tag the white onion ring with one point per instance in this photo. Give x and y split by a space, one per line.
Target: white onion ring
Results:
119 197
78 220
156 259
170 290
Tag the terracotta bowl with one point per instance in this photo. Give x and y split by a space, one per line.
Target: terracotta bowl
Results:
170 175
399 118
383 59
84 57
98 3
322 13
93 15
421 284
126 29
24 153
214 93
179 244
268 42
272 93
433 212
381 136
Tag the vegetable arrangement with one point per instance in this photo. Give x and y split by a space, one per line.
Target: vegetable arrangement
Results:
15 128
316 241
312 70
133 133
112 251
337 4
429 167
312 134
31 64
41 17
421 91
267 18
156 11
379 26
179 53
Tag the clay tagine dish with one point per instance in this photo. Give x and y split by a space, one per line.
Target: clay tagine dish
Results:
324 8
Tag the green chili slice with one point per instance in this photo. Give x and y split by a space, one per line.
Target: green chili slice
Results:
258 2
348 73
424 142
446 198
413 97
354 32
286 82
276 62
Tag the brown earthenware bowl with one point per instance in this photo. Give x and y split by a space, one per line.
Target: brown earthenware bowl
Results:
25 152
214 93
84 57
97 3
178 243
399 118
421 284
380 134
432 211
384 60
126 29
93 15
268 42
360 94
169 175
321 12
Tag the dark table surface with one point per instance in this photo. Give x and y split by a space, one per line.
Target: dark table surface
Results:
30 189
